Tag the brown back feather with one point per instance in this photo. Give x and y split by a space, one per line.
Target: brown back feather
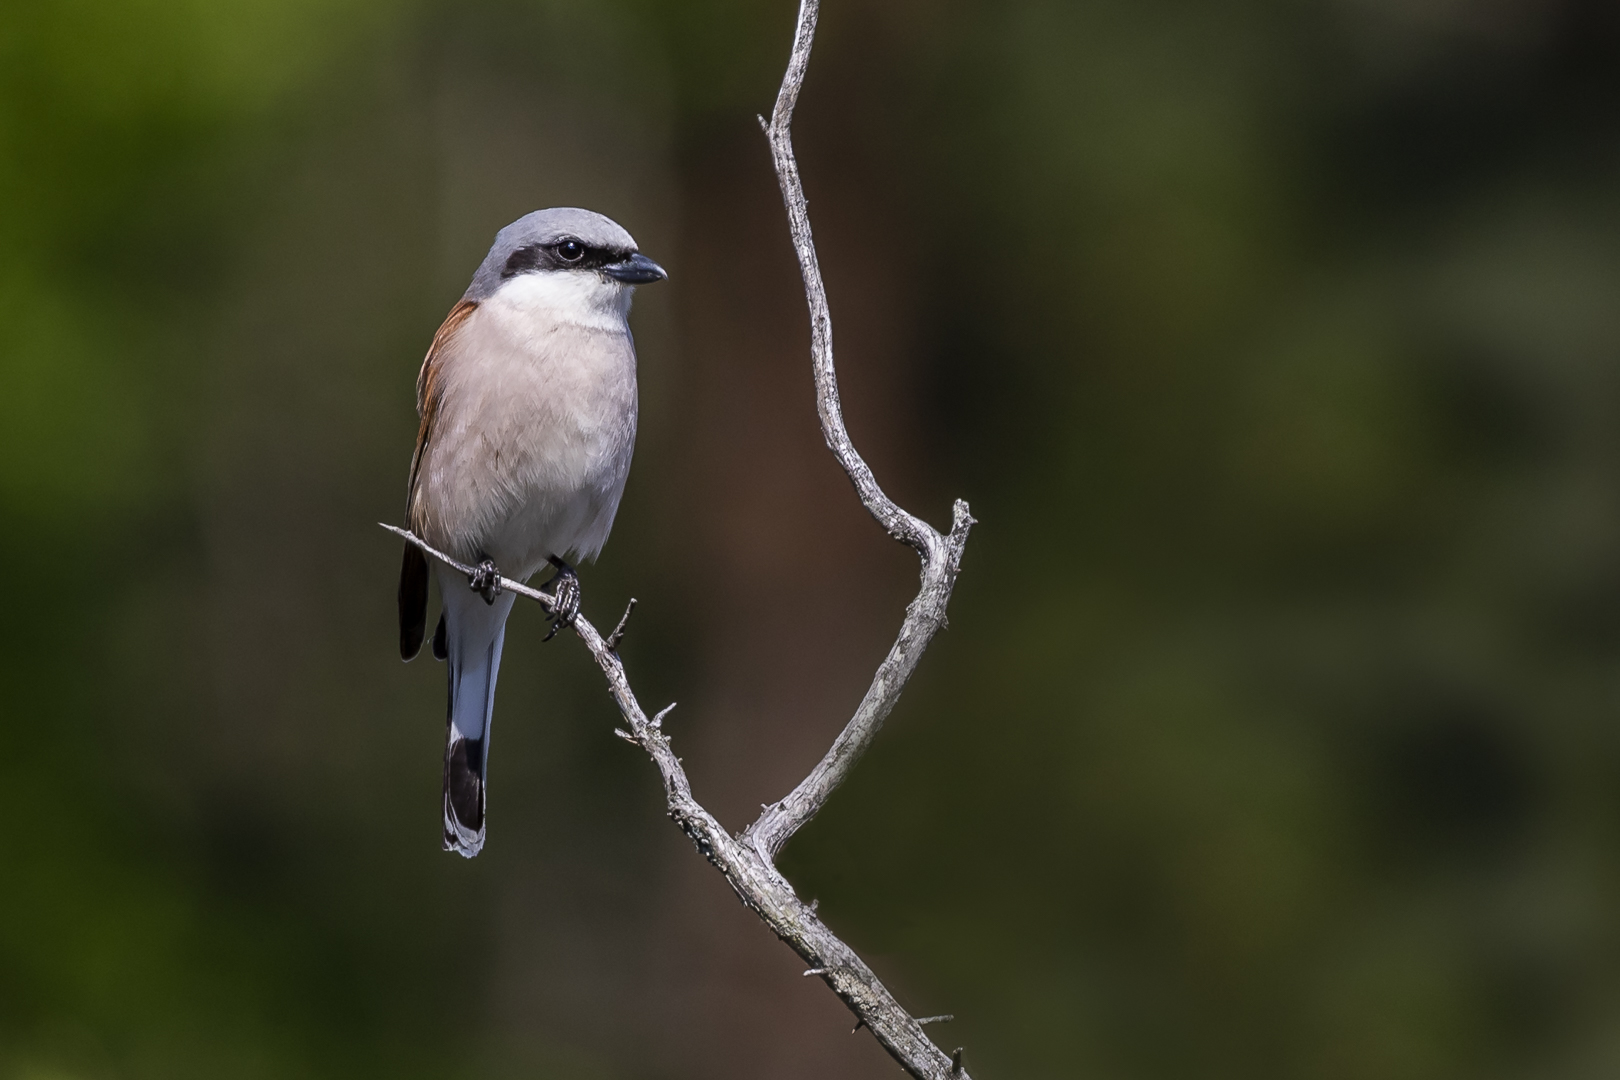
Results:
429 384
413 570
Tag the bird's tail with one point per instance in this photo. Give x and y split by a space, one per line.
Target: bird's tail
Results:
474 632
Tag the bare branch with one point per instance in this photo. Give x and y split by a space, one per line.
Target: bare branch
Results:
748 861
502 584
941 555
757 882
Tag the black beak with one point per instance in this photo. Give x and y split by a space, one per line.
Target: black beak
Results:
636 270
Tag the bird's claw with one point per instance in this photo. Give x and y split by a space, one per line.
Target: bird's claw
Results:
485 580
565 598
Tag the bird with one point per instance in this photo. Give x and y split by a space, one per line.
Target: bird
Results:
527 406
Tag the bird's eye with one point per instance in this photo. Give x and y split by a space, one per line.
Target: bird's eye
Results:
570 251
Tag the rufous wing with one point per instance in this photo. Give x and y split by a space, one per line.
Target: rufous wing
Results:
413 571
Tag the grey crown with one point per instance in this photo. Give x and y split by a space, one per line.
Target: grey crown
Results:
542 229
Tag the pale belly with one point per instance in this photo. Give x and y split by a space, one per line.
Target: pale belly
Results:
531 442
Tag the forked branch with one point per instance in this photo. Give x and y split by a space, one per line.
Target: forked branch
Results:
748 861
941 555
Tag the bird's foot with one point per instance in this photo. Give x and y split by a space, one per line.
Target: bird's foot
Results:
485 580
565 595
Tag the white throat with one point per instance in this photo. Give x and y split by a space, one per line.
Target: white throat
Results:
584 298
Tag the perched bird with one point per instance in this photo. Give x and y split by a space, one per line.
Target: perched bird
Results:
528 407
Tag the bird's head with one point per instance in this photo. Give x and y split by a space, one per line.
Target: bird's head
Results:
566 252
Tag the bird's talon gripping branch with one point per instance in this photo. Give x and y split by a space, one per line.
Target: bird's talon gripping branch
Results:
564 589
485 580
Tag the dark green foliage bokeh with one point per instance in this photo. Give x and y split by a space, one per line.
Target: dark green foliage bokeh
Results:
1276 346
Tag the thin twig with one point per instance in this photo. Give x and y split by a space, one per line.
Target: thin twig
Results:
941 555
502 584
617 636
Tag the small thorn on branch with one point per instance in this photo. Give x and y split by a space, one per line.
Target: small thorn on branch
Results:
858 1025
942 1018
817 971
814 903
626 736
956 1062
658 720
618 631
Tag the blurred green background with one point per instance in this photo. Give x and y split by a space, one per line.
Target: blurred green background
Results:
1275 344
